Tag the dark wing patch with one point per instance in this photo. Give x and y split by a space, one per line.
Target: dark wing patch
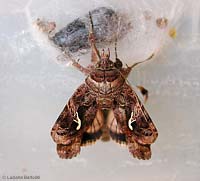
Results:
90 138
119 138
94 131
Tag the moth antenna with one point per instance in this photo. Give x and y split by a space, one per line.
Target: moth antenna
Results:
108 52
103 52
116 49
129 68
95 52
91 23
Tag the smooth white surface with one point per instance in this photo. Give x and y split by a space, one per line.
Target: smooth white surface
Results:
34 89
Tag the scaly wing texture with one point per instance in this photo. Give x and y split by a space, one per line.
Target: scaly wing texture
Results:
135 124
114 129
94 132
74 121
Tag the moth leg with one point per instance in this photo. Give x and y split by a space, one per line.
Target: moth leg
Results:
76 64
95 56
144 92
82 69
125 71
137 63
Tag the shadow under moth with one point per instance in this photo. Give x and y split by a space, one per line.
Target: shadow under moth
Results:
105 106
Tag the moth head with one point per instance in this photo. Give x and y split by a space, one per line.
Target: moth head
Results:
105 62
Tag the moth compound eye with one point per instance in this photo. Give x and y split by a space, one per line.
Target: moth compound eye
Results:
78 121
130 121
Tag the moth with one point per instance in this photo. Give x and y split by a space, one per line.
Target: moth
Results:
104 106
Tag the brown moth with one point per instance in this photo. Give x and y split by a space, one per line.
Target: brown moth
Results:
104 106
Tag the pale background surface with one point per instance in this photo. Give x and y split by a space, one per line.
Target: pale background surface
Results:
34 89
